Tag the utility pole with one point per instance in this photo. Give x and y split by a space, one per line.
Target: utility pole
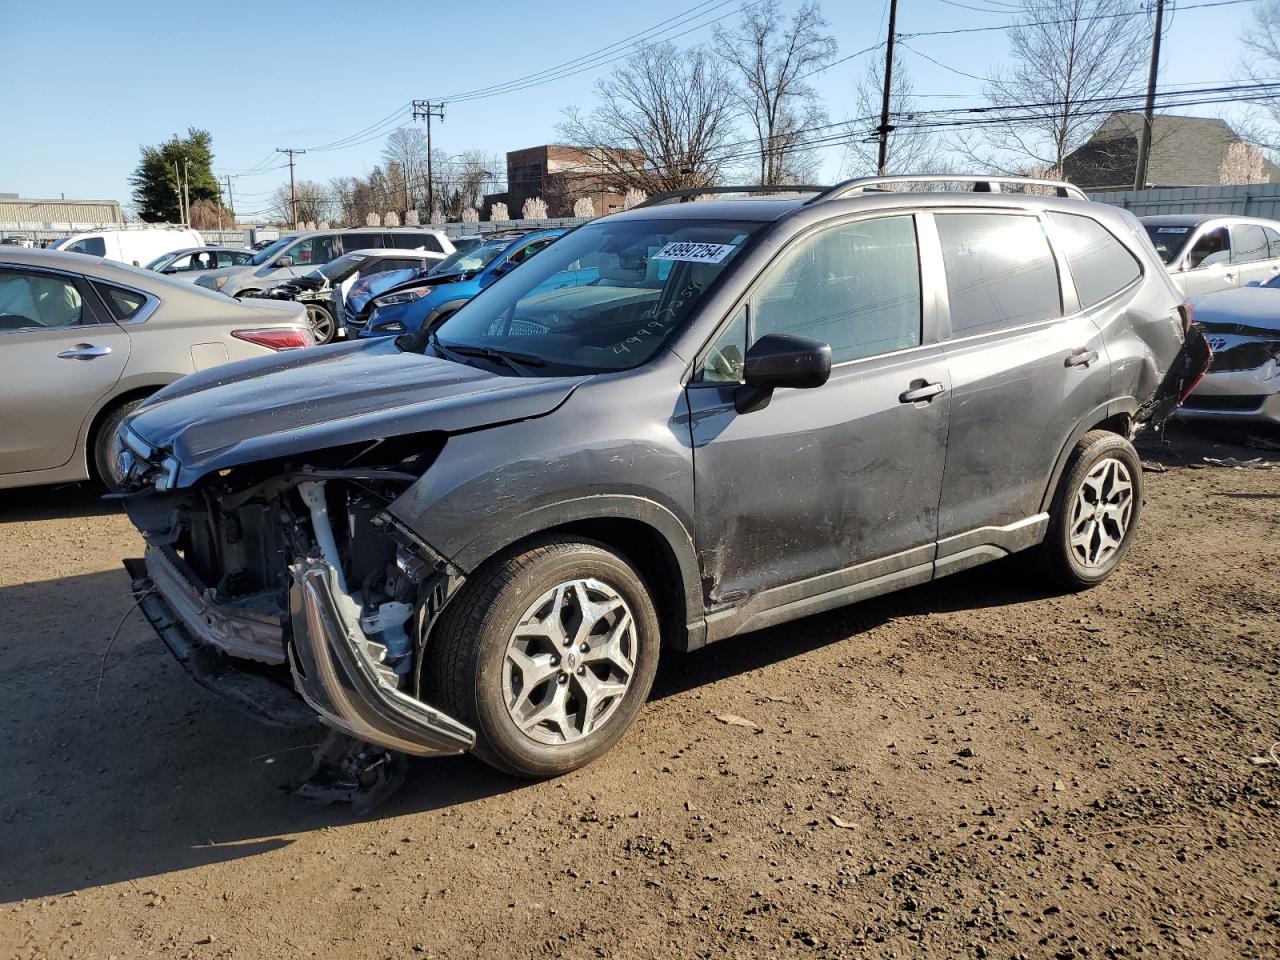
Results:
293 189
884 128
186 189
177 180
231 203
1144 144
425 110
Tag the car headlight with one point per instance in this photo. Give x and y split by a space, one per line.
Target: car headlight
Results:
407 296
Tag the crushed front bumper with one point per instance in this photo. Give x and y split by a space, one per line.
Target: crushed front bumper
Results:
1252 395
339 672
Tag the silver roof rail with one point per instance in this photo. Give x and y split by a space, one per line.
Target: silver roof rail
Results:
686 194
979 184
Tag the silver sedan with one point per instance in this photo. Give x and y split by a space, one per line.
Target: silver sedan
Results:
83 341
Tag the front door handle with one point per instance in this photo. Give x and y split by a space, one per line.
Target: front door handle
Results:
84 351
920 390
1229 276
1082 357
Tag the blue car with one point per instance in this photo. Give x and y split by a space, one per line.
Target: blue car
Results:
428 300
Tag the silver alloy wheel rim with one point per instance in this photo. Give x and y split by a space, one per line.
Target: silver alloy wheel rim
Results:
321 323
569 661
1101 513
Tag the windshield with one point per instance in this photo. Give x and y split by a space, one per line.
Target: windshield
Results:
335 271
1168 238
605 297
266 253
159 261
470 260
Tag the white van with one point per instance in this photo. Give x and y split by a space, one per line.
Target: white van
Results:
137 247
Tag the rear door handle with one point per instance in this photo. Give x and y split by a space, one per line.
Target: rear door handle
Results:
1229 276
84 351
921 391
1082 358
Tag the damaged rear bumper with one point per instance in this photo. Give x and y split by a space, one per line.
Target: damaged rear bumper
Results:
340 673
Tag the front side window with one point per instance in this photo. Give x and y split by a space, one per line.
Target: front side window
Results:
605 297
1211 250
1249 243
1000 271
529 249
269 253
30 300
93 246
1100 264
855 286
313 251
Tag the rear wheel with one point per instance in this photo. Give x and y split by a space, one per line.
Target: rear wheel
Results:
1095 511
103 445
323 327
548 654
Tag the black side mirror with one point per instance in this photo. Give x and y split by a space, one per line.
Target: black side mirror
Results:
781 360
169 270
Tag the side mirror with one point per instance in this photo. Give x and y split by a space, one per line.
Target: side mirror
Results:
169 270
284 262
781 360
505 267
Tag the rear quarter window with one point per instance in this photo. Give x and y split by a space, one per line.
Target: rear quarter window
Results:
1000 271
1100 265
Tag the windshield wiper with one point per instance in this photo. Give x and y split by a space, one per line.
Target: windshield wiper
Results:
514 361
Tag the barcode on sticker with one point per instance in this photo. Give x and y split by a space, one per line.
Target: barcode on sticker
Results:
695 252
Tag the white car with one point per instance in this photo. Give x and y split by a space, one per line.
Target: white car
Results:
1243 328
1205 253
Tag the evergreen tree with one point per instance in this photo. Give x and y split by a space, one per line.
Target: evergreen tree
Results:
155 180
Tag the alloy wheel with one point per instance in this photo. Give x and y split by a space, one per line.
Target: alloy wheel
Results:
1101 513
569 661
321 323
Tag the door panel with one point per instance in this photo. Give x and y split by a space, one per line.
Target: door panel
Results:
820 479
47 396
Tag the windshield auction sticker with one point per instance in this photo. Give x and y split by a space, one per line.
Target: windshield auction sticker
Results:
695 252
1172 229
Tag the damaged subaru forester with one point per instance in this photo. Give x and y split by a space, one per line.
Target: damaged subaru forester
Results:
677 424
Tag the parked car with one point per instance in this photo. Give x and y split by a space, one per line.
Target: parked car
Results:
323 289
432 298
16 240
262 244
1243 328
135 246
730 415
83 341
297 254
188 264
1205 253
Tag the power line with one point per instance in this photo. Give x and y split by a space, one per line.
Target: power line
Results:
1047 23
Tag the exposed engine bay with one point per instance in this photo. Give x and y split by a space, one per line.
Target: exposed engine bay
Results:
298 580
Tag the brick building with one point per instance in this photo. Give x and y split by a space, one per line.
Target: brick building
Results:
560 175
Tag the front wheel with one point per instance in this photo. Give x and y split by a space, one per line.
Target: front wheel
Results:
548 654
102 448
323 327
1095 511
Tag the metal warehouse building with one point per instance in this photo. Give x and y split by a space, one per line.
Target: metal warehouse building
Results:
17 213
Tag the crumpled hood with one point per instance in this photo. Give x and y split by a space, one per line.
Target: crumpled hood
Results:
1245 307
291 403
366 288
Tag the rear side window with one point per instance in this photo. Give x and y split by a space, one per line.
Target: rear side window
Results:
1249 243
93 246
855 286
123 303
1100 264
1000 271
412 241
1273 242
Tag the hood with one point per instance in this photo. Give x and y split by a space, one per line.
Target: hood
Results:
366 288
1240 310
291 403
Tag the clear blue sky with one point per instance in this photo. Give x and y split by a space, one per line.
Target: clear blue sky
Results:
86 82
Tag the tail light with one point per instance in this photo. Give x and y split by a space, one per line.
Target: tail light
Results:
1196 349
278 338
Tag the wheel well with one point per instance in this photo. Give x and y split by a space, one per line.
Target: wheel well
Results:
1121 423
91 439
650 553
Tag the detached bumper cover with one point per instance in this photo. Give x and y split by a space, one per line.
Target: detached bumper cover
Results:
340 673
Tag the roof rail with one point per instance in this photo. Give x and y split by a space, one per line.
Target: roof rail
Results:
689 193
980 184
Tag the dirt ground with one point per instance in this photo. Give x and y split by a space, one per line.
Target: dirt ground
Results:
976 767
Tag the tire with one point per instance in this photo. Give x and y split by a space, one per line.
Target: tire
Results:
472 662
102 445
247 292
321 320
1093 518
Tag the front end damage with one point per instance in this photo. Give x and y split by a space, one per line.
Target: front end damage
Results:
286 589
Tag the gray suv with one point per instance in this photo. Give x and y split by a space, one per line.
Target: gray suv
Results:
676 425
297 254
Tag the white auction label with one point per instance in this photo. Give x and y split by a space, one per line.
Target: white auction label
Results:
695 252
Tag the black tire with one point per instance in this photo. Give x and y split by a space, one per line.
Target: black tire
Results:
102 444
1065 564
464 667
323 328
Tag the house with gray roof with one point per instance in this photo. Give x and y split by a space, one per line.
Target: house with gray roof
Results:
1185 152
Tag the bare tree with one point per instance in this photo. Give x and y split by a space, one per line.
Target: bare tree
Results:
1066 54
1242 164
662 122
405 153
771 57
312 203
910 150
1262 45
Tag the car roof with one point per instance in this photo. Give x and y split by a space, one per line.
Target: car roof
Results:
1180 219
389 252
